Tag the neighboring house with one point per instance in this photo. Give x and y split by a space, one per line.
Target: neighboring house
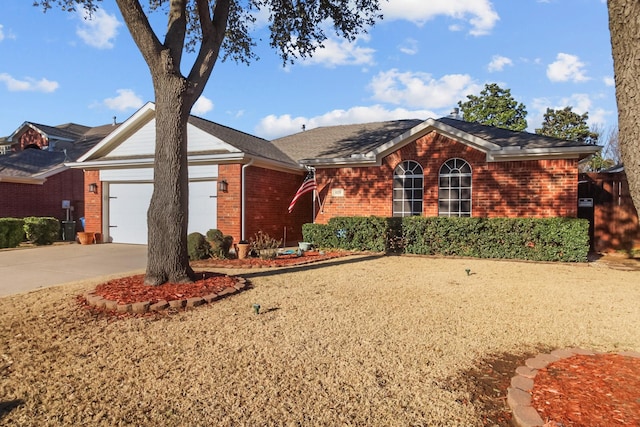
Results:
604 199
34 180
395 168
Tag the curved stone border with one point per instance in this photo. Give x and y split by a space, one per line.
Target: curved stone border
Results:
99 302
519 394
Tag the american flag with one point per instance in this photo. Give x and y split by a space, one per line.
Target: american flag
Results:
309 184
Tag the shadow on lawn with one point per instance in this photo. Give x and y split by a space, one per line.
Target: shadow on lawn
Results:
8 406
311 266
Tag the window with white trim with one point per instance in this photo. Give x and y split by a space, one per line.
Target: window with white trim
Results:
408 189
454 188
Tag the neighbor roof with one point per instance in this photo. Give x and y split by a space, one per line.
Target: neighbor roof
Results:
37 164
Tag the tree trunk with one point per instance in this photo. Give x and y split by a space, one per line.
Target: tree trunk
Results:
168 214
624 24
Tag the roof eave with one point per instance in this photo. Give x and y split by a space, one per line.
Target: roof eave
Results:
22 180
541 153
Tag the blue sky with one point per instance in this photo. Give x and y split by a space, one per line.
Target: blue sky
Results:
423 58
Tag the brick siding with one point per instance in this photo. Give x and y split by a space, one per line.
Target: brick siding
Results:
532 188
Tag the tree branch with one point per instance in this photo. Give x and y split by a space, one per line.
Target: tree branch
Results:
141 32
213 32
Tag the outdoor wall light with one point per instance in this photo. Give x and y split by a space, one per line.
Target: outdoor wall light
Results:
93 187
223 186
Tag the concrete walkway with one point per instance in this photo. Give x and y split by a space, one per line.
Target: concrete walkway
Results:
23 270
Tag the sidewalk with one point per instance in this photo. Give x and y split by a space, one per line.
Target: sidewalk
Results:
23 270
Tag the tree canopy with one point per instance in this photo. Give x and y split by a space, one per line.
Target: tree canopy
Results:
494 107
567 124
209 28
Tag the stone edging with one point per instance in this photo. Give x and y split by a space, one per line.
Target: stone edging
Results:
99 302
519 394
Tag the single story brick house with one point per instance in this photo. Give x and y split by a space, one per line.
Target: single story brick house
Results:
242 184
34 179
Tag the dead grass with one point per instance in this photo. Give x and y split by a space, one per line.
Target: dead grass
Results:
362 341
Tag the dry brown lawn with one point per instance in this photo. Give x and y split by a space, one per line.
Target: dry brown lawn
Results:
363 340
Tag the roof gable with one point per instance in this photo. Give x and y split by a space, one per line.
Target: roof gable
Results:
366 144
133 143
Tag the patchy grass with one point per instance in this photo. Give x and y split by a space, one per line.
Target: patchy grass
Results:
359 340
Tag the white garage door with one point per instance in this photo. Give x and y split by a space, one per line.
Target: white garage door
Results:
128 204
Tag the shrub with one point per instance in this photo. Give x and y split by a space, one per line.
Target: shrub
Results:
11 232
198 247
41 230
220 244
265 245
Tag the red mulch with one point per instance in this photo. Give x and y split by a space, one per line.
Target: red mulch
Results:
599 390
129 290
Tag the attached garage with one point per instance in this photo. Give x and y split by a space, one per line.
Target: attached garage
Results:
127 193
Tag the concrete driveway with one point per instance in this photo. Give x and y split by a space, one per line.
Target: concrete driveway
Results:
22 270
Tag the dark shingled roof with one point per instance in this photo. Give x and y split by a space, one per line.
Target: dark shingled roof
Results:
244 142
509 138
347 140
342 141
32 162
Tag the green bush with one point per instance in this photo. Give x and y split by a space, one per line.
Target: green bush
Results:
220 244
545 239
352 233
11 232
198 247
41 230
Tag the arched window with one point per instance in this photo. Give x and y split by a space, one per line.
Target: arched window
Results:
408 189
454 192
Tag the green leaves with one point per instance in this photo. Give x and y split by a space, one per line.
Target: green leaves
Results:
565 124
495 107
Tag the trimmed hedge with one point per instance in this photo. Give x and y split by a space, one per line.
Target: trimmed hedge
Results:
11 232
537 239
41 230
546 239
198 247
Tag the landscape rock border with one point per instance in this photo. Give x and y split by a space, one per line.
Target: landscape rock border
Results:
519 393
99 302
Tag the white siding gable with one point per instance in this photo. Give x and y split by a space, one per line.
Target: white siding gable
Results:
142 142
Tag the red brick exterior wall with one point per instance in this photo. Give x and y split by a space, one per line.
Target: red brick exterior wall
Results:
92 202
533 188
21 200
268 194
229 214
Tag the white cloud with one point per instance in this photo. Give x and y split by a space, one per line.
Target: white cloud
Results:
421 89
202 106
336 52
28 85
498 63
609 81
567 68
273 126
409 47
99 29
126 100
478 13
1 33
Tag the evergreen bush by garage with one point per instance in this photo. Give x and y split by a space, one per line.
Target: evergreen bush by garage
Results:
41 230
11 232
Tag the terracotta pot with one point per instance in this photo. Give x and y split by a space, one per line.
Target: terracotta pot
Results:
242 250
86 237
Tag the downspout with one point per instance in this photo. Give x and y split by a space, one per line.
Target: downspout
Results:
243 202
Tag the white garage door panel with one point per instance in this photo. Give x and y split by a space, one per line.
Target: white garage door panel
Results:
128 204
202 206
